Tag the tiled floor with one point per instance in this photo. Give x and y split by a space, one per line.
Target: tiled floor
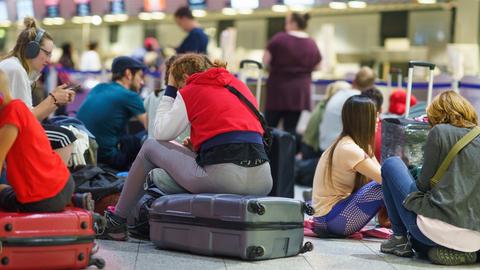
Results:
328 254
335 254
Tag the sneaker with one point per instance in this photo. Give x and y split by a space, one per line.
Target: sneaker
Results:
84 201
397 245
116 227
446 256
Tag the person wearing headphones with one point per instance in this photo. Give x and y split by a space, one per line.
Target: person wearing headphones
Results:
22 65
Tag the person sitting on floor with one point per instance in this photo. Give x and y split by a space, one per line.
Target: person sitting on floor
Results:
442 221
109 107
39 179
344 197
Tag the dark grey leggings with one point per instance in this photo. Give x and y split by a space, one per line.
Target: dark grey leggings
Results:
180 163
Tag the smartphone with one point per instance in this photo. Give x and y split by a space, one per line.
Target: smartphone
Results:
75 88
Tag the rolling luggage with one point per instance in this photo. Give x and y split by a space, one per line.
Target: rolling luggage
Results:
62 240
247 227
283 148
405 137
282 163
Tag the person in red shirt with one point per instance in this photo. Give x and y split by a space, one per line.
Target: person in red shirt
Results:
39 180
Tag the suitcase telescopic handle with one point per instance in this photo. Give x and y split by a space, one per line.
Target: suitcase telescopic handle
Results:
253 62
412 64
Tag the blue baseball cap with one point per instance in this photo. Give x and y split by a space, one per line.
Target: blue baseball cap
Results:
121 63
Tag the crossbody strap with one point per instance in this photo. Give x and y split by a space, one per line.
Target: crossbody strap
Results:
268 135
470 136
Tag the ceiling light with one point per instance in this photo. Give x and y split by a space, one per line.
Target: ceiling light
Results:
427 1
158 15
199 13
298 8
229 11
245 11
279 8
5 23
53 21
83 19
96 20
337 5
145 16
357 4
109 18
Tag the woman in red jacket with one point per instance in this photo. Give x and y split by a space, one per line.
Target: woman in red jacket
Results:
225 153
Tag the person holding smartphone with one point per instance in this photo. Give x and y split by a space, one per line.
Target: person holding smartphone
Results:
22 65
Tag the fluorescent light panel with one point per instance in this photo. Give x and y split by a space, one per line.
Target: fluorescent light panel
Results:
337 5
357 4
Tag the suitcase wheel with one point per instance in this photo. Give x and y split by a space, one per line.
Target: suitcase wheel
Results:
98 262
308 246
255 252
308 209
256 208
99 223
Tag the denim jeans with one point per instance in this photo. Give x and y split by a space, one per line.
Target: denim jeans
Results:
397 183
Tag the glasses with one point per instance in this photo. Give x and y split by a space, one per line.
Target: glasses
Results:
47 53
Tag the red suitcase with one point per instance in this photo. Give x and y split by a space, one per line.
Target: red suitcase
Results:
48 240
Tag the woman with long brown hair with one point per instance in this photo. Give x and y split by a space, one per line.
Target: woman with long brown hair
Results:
442 219
344 197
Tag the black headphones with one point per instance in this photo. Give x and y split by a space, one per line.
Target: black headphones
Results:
33 47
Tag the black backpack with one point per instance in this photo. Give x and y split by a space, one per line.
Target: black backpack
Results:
98 181
138 225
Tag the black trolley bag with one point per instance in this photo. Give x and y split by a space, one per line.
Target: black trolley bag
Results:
246 227
283 148
406 137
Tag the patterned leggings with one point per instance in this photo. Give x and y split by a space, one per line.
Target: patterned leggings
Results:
352 214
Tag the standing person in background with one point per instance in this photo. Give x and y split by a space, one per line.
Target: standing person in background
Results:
109 107
66 60
291 56
63 75
331 125
197 40
22 65
90 60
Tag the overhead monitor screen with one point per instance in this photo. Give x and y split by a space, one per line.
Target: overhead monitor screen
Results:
197 4
117 6
53 8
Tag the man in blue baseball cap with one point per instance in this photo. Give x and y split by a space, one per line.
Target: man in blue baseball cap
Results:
108 108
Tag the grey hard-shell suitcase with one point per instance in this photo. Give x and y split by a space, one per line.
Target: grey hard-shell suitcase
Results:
248 227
